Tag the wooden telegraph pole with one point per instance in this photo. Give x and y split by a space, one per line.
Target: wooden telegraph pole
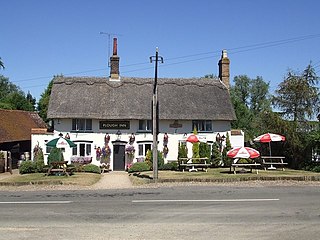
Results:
155 115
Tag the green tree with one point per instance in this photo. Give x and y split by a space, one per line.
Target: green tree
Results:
297 96
11 97
43 103
226 160
250 97
195 147
204 151
55 155
216 155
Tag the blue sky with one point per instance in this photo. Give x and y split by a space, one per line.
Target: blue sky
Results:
39 39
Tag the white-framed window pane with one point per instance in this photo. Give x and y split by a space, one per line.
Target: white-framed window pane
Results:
142 125
140 148
74 151
88 149
147 147
89 124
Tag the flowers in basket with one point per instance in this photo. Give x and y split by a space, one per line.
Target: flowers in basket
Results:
106 152
130 150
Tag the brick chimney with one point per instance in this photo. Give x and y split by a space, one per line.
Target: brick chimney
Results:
114 62
224 69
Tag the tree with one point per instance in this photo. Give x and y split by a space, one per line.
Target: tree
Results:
250 97
43 103
195 147
297 96
11 97
216 155
31 100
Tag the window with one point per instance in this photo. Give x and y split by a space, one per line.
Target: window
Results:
82 149
81 124
143 148
145 125
202 125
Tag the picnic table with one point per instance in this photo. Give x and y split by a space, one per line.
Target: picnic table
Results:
193 164
243 165
273 161
60 167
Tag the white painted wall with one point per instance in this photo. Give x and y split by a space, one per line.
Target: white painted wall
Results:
97 137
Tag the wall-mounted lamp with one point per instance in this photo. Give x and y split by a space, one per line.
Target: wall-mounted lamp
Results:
118 134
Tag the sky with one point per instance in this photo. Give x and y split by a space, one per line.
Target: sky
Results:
43 38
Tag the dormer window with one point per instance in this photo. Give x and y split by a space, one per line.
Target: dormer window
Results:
202 125
80 124
145 125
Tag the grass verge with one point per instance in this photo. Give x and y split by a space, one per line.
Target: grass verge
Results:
81 179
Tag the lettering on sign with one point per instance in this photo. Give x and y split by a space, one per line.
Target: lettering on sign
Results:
114 124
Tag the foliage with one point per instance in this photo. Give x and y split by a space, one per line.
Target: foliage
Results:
55 155
204 151
195 147
216 155
91 168
27 167
298 95
11 97
182 150
173 166
43 103
39 166
226 160
139 167
149 159
249 97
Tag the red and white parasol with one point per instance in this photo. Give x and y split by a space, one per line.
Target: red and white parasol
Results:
269 137
243 152
193 139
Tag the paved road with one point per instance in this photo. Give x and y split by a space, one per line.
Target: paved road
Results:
189 212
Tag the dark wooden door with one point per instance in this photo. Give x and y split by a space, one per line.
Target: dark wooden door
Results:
118 157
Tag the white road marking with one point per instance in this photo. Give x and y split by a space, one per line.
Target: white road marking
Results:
38 202
207 200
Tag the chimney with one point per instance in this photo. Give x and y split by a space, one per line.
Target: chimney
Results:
224 69
114 62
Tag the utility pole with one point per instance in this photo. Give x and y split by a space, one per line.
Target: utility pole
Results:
154 116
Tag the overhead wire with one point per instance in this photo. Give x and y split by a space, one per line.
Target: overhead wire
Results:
231 51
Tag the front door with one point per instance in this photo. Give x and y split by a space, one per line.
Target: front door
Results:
118 157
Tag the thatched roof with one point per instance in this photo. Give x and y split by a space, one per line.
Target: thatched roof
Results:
130 98
16 125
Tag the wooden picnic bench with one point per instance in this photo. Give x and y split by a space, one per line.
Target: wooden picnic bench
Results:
187 163
244 165
60 167
273 161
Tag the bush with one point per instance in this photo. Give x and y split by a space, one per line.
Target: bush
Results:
173 166
91 168
55 155
139 167
316 169
39 166
27 167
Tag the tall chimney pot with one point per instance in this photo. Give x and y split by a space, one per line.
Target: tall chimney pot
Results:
224 69
114 62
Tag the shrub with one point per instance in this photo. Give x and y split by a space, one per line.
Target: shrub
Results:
139 167
27 167
149 159
91 168
39 166
55 155
173 166
316 169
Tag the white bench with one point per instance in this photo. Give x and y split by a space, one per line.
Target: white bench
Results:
187 163
273 161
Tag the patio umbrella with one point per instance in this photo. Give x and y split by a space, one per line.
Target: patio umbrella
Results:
61 142
193 139
243 152
268 138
